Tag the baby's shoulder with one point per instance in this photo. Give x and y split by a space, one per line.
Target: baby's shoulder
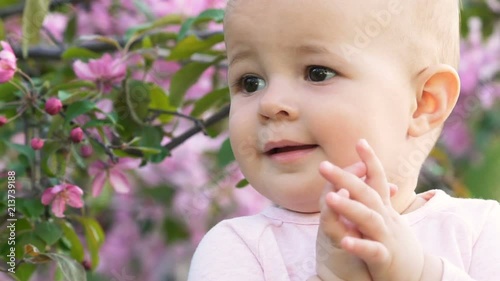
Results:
472 211
240 229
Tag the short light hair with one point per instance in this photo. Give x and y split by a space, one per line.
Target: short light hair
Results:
428 31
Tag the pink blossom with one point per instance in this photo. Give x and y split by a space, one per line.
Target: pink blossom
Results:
56 23
105 71
457 138
37 143
102 171
60 195
53 106
8 64
76 135
3 120
86 151
97 20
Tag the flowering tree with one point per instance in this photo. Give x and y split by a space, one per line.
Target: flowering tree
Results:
104 174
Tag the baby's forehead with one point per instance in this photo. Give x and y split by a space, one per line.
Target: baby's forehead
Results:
419 27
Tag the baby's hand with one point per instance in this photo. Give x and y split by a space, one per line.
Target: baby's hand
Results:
332 262
385 241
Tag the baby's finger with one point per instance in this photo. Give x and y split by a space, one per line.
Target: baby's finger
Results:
357 188
371 252
370 223
375 174
358 169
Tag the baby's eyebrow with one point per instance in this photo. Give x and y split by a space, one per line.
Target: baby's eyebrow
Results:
314 49
240 56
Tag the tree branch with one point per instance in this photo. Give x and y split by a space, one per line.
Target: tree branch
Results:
220 115
18 9
55 53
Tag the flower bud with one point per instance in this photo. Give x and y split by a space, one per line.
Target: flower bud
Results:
76 135
86 151
8 64
3 120
53 106
37 143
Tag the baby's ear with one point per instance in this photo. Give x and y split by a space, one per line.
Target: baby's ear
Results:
439 88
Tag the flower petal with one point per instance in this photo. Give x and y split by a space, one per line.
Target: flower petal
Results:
48 196
96 168
119 182
83 71
127 163
58 206
74 196
6 46
98 183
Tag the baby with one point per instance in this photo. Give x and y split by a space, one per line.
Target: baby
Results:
334 107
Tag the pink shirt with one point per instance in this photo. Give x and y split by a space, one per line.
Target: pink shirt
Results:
279 245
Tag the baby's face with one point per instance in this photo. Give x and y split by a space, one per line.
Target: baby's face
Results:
297 98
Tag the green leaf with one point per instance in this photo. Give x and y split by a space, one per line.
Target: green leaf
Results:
49 232
175 229
77 251
210 100
225 155
100 38
186 26
2 30
25 150
94 235
147 150
160 101
97 123
7 92
183 79
192 44
33 16
78 108
79 53
24 271
31 208
167 20
53 162
71 29
242 183
71 269
137 97
158 158
73 85
216 15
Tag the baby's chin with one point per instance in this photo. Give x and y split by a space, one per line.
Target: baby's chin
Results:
300 207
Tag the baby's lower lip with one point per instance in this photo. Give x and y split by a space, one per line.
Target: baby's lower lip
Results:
291 156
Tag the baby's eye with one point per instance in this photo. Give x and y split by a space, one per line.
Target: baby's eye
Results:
319 73
251 84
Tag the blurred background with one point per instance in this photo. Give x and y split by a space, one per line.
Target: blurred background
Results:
151 232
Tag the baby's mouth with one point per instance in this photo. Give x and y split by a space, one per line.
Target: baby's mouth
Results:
285 149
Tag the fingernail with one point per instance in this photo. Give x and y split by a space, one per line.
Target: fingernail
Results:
364 143
343 193
333 196
327 165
